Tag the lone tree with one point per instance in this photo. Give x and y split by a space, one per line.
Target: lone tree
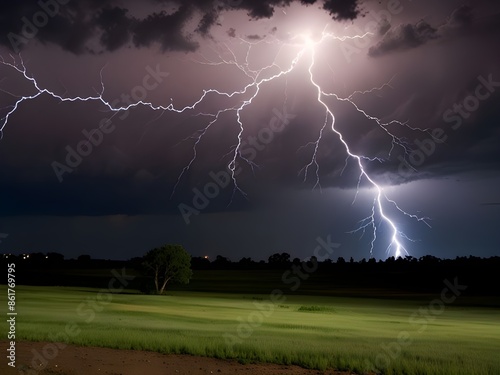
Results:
168 263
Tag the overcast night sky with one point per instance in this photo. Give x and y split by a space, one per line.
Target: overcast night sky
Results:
416 95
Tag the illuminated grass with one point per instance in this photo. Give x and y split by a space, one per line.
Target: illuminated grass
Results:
314 332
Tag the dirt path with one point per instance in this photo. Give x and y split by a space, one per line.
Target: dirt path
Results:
75 360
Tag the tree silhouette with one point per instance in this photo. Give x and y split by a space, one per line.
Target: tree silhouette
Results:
278 259
168 263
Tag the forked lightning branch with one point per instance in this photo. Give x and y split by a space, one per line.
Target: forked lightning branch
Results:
383 212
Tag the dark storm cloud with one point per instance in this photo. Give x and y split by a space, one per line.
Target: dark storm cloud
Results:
339 9
255 37
459 18
206 23
342 9
73 25
165 29
403 37
409 36
471 141
107 184
115 25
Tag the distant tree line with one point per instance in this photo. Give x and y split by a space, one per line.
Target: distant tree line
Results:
275 261
155 272
284 261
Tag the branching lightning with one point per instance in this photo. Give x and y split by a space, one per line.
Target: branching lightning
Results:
256 80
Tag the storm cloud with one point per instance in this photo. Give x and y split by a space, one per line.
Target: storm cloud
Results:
77 26
408 36
439 64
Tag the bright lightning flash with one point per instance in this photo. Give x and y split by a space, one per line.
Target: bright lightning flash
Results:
257 79
380 197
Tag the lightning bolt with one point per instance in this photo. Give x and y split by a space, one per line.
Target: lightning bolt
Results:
245 96
380 199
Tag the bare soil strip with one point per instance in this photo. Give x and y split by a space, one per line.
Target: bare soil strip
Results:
75 360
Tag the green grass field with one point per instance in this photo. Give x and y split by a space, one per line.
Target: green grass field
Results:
359 334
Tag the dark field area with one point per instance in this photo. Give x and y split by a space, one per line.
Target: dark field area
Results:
395 317
391 279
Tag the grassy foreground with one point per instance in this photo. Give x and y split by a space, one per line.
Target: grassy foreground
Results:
359 334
